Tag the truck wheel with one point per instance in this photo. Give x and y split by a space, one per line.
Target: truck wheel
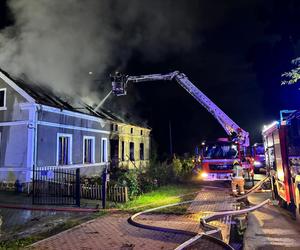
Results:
297 213
275 192
282 203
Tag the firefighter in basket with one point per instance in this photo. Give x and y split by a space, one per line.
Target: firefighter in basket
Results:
237 178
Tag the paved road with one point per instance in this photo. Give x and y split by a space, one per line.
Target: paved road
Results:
114 232
270 227
16 223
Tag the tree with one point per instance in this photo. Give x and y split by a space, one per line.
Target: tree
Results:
292 76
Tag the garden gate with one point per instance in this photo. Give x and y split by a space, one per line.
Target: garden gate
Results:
56 186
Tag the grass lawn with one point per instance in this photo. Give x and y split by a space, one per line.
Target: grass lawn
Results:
162 196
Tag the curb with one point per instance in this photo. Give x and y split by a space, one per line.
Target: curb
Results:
58 209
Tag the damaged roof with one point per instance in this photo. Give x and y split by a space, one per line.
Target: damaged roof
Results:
47 96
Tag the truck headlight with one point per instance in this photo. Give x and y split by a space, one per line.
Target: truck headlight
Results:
204 175
257 163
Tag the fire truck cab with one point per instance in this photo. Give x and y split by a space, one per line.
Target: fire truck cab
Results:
282 154
258 157
216 160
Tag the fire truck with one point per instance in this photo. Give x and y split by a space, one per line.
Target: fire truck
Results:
214 160
258 157
282 151
219 157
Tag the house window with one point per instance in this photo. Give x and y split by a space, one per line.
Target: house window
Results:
64 149
2 99
141 132
104 150
131 131
116 127
123 151
131 151
142 151
112 127
88 149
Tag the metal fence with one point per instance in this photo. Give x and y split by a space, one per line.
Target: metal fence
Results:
56 186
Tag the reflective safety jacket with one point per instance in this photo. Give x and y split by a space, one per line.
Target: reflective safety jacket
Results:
238 171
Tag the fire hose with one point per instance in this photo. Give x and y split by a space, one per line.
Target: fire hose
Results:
253 189
210 229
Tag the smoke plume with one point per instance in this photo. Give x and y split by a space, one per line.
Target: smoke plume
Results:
57 43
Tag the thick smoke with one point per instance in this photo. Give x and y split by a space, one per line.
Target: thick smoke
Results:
58 43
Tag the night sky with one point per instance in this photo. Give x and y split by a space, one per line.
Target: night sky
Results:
235 52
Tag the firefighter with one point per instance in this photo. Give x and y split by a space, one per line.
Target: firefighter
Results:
237 178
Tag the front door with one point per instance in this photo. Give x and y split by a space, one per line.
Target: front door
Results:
114 152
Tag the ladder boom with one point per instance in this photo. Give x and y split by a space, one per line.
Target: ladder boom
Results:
119 84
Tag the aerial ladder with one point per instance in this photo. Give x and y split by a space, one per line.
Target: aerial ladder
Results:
235 132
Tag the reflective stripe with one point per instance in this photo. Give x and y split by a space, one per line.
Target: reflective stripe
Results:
238 170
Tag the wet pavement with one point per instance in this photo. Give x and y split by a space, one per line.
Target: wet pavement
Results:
114 232
12 218
20 223
270 227
17 223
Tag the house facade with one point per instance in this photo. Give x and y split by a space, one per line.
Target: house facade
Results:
130 145
41 129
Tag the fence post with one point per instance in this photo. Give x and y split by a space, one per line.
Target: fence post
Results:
126 194
33 184
105 177
77 187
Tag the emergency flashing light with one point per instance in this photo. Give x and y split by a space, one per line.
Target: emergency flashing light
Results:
267 127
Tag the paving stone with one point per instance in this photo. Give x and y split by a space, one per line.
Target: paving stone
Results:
114 232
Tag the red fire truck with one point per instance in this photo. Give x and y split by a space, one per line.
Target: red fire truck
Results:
258 157
215 159
282 151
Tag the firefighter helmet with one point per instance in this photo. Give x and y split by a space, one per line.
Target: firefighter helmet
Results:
236 162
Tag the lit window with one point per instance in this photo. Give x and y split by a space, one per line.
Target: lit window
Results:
88 149
104 150
2 99
142 151
131 151
64 149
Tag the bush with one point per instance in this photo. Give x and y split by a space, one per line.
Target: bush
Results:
130 179
177 168
155 175
187 168
147 184
91 180
159 172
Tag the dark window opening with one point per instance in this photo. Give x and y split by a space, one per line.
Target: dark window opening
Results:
142 151
131 130
123 151
111 127
131 151
2 98
116 127
88 151
104 150
141 132
63 150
